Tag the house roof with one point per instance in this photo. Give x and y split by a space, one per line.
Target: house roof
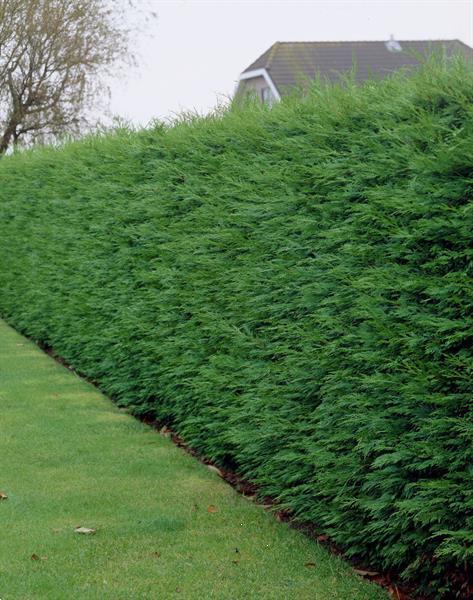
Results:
288 62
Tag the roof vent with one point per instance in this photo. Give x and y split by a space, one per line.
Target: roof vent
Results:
393 45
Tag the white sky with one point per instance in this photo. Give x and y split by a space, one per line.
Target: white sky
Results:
195 49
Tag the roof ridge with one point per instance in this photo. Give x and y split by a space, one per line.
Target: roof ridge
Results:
367 41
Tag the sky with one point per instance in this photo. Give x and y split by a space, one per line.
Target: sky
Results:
191 54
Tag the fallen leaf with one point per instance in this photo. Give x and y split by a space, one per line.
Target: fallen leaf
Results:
85 530
165 431
322 538
36 557
310 564
364 573
283 515
215 470
3 496
212 509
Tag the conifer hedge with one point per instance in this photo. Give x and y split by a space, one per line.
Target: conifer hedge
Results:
290 288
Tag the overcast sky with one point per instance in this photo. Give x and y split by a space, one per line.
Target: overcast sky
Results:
195 49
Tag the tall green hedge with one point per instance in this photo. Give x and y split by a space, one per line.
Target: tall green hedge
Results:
290 288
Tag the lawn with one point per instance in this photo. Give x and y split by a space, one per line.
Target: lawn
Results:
166 526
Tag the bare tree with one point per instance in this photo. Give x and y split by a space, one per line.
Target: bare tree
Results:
54 58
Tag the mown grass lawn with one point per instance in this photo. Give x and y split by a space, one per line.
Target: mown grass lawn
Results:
69 457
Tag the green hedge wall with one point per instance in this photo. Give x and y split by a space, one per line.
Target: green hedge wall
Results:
290 288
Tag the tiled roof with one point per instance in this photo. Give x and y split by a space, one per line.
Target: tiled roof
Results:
289 62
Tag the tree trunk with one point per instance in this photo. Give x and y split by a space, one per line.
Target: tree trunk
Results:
6 137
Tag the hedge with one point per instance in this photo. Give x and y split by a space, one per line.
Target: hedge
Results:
290 288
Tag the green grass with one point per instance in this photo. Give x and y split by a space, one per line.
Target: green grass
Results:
69 457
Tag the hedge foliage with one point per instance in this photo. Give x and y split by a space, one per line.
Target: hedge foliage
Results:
290 288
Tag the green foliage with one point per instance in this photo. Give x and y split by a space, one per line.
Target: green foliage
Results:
291 288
